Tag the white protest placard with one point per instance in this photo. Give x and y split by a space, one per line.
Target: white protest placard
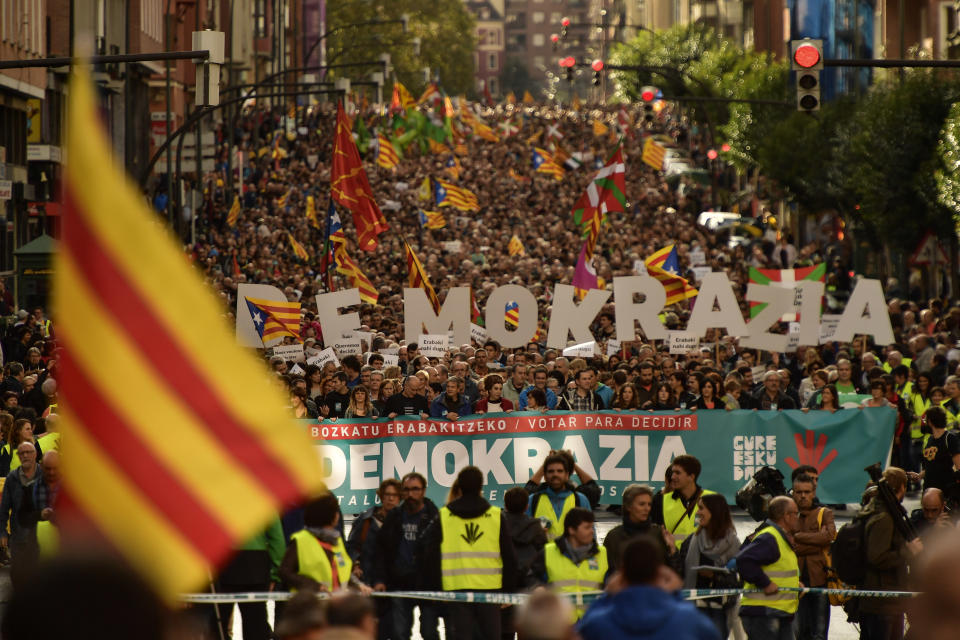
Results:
325 356
348 346
290 352
582 350
700 272
365 337
452 246
478 333
613 347
391 360
310 352
434 345
389 351
639 267
295 370
758 372
828 326
698 257
682 342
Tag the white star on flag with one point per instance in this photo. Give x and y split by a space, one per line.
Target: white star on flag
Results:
257 320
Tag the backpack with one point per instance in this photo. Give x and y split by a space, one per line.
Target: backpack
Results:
849 553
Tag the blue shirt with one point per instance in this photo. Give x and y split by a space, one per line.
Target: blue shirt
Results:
551 398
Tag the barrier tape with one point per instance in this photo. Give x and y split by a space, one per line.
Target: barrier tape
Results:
483 597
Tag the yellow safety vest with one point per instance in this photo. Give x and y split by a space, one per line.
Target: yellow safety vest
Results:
920 406
675 517
545 510
314 563
48 538
953 419
49 441
905 362
785 572
565 576
470 552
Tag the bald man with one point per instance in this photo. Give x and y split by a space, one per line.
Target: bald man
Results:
932 513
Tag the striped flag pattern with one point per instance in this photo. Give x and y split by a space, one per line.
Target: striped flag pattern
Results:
448 194
664 265
173 516
387 157
515 247
274 319
348 267
784 278
234 212
543 162
585 274
417 278
431 219
298 249
511 314
653 154
606 193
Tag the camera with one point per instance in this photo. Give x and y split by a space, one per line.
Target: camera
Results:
765 485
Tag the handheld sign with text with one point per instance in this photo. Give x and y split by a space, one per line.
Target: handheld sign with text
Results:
348 346
582 350
682 343
613 347
325 356
478 333
391 360
434 345
290 352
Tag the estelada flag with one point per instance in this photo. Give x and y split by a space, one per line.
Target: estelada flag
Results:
417 278
178 464
664 265
350 187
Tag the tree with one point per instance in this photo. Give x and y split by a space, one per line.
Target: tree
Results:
445 28
886 158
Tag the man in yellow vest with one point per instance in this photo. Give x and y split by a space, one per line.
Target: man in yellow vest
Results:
767 564
551 501
317 559
676 508
574 562
476 554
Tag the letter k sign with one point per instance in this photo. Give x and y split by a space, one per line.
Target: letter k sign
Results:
471 533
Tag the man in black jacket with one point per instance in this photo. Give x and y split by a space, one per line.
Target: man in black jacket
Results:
583 397
770 397
406 558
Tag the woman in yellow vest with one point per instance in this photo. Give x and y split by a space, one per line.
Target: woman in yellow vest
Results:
919 403
574 562
768 564
317 559
22 432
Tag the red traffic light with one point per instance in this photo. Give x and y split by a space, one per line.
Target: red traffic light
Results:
597 65
565 22
648 95
554 38
806 56
568 62
712 154
724 147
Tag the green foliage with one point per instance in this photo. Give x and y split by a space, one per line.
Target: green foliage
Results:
886 158
445 28
947 175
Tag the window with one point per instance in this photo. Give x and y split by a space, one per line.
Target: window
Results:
538 40
492 62
538 17
539 62
555 17
492 86
260 19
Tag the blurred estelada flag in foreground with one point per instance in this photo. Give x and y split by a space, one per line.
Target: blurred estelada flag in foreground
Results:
177 448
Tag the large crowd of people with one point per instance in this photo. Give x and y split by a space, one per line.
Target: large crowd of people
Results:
680 535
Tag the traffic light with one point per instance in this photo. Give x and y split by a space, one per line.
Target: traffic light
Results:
565 23
648 95
597 67
555 39
806 60
569 63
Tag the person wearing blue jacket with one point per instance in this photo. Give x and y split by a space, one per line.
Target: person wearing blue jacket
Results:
452 404
641 602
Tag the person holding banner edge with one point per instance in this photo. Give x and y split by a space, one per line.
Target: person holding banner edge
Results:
553 499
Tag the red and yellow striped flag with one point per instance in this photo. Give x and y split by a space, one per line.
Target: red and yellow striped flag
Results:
417 278
515 246
234 212
348 267
450 195
298 249
387 157
653 154
174 500
276 319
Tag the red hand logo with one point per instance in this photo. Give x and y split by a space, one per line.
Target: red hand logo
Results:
810 454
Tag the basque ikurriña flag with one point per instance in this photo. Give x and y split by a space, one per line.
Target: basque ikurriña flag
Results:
785 278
